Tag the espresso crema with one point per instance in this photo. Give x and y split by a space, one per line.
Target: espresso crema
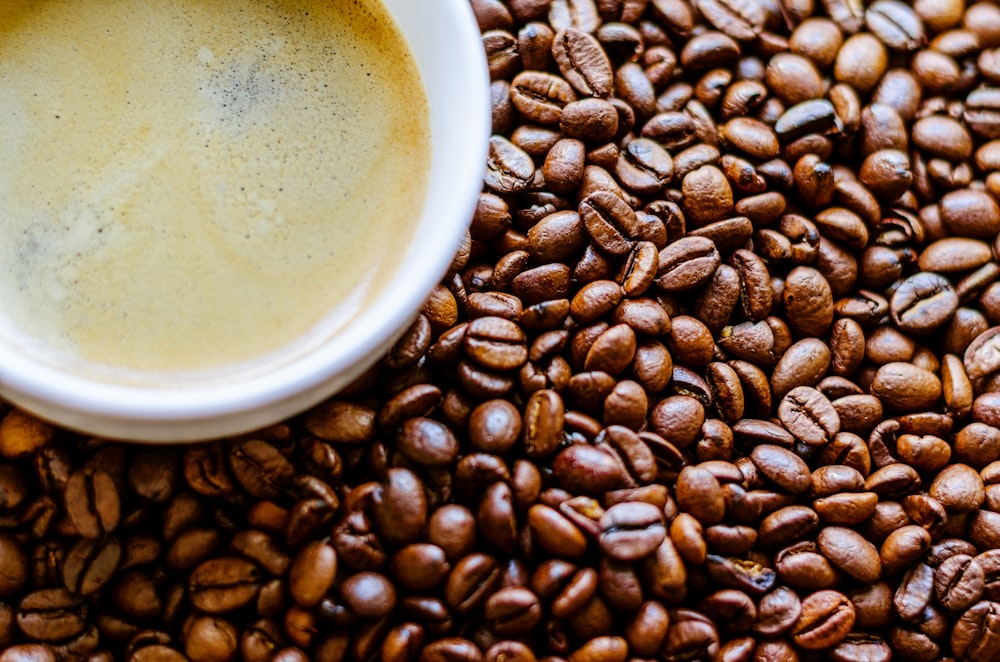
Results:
189 185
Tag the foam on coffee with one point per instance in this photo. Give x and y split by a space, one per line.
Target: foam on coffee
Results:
189 184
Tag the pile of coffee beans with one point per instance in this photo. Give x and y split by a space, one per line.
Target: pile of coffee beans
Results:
715 376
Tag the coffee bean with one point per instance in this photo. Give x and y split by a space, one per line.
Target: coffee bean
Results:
959 582
808 302
740 574
609 221
224 584
976 635
51 615
707 195
509 169
90 564
827 617
644 167
805 118
401 507
583 62
923 302
982 112
699 493
631 531
687 263
540 96
594 121
905 387
92 502
783 467
809 416
850 552
311 573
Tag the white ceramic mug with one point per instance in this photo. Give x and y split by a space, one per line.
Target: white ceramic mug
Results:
446 44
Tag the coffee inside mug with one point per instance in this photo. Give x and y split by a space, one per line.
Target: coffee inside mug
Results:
193 187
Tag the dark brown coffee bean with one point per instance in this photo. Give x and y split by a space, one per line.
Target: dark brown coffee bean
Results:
224 584
502 57
976 635
92 502
923 302
886 173
555 533
959 488
563 14
803 364
687 263
896 24
707 194
401 507
699 493
609 221
312 573
739 19
982 112
905 387
594 121
970 213
748 576
644 167
494 426
827 617
631 531
903 547
809 416
787 525
540 97
982 357
586 469
90 564
850 552
808 117
583 62
260 468
51 615
959 582
787 470
808 302
678 418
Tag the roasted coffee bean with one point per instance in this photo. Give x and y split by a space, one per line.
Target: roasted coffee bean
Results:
783 467
51 615
809 416
707 194
509 169
976 635
850 552
92 502
540 97
609 221
687 263
959 582
827 617
923 303
631 531
808 301
583 62
224 584
808 117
